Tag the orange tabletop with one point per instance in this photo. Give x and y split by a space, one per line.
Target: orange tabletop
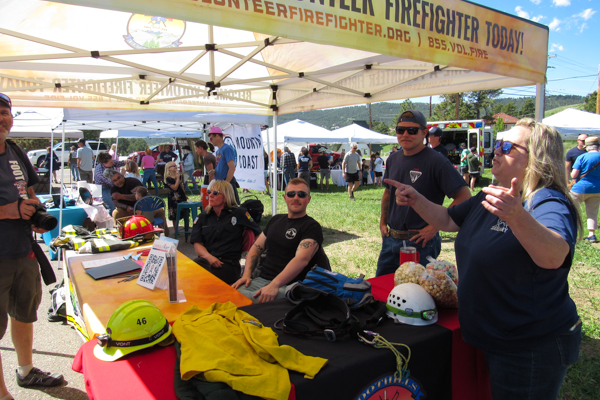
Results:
99 298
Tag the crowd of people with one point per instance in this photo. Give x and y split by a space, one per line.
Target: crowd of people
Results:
514 248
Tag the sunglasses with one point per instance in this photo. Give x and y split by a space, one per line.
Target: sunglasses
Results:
411 131
6 99
506 146
214 192
300 194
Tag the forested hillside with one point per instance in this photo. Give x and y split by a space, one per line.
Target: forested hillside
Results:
386 112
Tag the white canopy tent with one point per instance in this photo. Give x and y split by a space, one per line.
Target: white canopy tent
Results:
32 124
572 123
360 134
183 55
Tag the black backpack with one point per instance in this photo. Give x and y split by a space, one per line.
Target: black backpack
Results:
254 206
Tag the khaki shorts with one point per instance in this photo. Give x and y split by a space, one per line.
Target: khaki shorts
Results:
20 290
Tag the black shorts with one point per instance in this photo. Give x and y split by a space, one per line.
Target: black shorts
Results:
464 170
378 174
352 177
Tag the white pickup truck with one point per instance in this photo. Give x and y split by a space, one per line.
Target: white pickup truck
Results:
37 156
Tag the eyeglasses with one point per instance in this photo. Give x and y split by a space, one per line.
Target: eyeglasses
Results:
411 131
300 194
506 147
6 99
214 192
118 178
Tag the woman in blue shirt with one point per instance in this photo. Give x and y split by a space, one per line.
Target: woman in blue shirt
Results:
587 188
514 250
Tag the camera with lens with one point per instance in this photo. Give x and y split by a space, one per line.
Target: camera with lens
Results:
42 219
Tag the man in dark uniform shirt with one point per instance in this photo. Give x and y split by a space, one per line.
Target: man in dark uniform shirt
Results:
435 139
574 153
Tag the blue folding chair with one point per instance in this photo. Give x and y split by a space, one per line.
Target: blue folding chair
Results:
150 204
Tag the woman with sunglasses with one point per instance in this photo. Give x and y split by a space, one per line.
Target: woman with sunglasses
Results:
514 250
218 233
176 195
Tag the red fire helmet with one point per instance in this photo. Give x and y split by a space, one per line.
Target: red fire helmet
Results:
137 225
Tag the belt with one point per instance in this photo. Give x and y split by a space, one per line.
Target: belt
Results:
403 235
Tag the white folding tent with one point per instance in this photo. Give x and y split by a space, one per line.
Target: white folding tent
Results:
360 134
572 123
36 124
206 56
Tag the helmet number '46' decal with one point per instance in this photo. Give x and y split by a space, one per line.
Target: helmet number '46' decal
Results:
141 321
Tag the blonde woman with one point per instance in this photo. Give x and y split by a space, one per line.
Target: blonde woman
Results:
218 233
176 195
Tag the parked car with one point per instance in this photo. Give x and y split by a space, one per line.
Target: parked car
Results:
37 156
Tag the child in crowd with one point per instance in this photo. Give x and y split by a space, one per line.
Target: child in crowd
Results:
141 192
365 172
132 170
176 195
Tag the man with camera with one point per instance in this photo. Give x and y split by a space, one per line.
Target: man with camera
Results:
20 285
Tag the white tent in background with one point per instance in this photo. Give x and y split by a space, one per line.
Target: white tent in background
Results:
360 134
40 124
298 131
572 123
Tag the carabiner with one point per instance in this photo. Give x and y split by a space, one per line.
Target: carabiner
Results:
363 339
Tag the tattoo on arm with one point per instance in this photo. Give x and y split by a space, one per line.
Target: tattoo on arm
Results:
254 262
259 247
307 244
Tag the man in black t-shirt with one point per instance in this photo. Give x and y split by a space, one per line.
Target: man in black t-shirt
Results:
574 153
324 163
122 193
435 141
167 155
20 286
294 242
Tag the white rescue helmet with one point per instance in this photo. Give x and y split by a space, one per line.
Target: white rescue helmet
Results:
409 303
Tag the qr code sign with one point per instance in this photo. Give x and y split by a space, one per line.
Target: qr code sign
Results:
152 269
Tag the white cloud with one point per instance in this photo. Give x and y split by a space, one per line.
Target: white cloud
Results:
521 13
586 14
555 47
554 25
538 18
582 27
537 2
561 3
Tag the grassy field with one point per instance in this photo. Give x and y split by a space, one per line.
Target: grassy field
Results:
352 241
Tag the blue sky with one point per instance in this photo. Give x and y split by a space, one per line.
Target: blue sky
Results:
574 43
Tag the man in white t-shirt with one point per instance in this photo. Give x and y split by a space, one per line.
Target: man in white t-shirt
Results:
350 169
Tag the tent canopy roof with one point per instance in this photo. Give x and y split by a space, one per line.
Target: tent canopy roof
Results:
360 134
184 55
572 123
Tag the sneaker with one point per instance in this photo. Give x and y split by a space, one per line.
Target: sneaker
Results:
37 377
352 197
591 239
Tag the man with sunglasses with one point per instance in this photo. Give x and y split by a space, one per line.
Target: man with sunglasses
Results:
294 241
20 286
417 165
574 153
225 156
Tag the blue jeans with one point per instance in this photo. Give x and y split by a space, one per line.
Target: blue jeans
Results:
389 257
150 174
536 373
255 285
75 172
288 175
107 198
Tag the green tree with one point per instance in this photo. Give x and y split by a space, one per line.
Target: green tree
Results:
510 108
381 127
528 109
499 126
590 102
483 100
446 110
497 108
406 105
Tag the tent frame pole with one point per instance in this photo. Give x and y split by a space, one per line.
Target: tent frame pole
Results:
275 172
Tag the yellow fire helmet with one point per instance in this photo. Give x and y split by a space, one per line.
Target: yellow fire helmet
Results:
135 325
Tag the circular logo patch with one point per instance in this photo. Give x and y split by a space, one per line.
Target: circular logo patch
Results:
291 233
153 32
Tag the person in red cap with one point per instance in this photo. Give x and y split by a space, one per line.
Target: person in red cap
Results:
21 289
225 156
